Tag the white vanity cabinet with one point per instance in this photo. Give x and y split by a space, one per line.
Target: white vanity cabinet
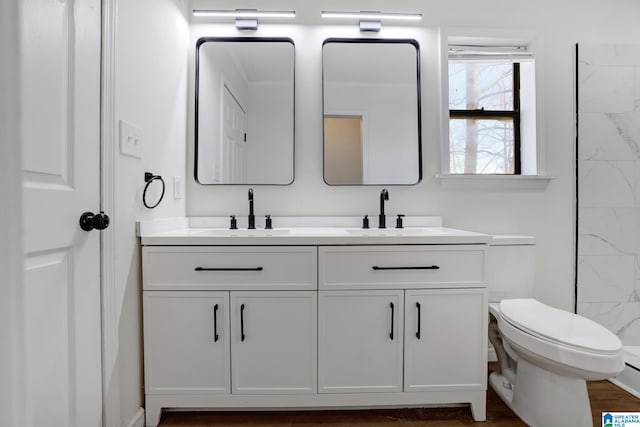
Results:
395 340
188 335
401 318
273 343
221 322
445 346
360 341
267 346
314 326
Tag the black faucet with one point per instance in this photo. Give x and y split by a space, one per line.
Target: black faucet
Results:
382 220
252 217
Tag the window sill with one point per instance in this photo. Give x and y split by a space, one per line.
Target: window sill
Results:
470 182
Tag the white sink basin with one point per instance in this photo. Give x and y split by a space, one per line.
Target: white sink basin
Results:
411 231
319 231
293 231
224 232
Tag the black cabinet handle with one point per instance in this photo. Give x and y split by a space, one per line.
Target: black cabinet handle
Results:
228 269
426 267
418 333
392 316
215 323
242 322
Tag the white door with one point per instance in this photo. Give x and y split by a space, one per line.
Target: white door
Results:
60 125
445 340
360 341
274 342
234 152
186 340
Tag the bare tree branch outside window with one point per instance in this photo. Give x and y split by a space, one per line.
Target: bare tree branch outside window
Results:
482 117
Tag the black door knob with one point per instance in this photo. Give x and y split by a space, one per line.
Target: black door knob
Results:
89 221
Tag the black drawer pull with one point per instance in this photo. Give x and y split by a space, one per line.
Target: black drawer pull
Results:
215 323
426 267
418 332
228 269
242 336
392 316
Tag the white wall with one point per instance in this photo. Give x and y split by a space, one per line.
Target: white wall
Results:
390 128
151 83
269 123
549 215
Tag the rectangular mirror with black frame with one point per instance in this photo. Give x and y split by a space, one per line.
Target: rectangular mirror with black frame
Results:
371 112
244 112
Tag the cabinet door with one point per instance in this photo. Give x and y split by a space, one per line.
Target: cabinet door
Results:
360 341
274 342
186 340
450 351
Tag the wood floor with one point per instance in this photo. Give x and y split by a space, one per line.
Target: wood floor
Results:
604 397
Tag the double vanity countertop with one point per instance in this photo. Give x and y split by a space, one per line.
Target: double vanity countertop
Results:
304 231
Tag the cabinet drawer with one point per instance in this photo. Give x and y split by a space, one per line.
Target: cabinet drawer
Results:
229 267
386 267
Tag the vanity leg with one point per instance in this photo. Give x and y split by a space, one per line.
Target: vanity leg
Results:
152 414
479 407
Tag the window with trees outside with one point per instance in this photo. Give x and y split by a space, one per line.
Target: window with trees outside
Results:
484 117
492 107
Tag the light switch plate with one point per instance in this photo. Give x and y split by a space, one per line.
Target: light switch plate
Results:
178 188
130 140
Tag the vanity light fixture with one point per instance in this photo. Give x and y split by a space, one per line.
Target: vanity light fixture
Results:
372 21
370 26
247 24
246 19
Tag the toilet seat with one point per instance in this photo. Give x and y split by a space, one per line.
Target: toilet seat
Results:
563 338
559 326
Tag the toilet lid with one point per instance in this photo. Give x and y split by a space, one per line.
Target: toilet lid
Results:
559 326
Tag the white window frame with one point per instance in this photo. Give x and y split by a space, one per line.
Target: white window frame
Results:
533 176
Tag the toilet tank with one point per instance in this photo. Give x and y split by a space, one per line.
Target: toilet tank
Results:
510 267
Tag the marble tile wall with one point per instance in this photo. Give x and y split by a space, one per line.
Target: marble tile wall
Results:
608 273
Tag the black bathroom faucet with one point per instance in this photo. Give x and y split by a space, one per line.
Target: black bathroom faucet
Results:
252 217
382 220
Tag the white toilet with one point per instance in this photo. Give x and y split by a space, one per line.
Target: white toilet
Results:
545 354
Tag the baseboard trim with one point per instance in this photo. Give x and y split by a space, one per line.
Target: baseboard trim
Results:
628 380
138 419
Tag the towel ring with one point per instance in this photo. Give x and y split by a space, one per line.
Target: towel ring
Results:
149 178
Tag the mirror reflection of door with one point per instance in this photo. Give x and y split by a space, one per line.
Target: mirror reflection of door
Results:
343 150
233 150
244 86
